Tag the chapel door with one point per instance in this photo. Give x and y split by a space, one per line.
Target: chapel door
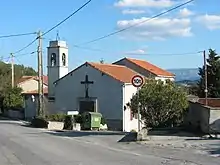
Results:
87 106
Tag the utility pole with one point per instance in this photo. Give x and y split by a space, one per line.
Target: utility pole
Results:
40 75
206 81
12 70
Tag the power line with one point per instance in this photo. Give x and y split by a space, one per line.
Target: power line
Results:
17 35
84 5
137 54
141 22
28 45
25 54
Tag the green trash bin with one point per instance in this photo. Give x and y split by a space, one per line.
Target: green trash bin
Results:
91 120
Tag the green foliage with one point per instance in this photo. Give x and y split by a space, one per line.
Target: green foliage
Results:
103 121
78 119
162 105
20 70
5 85
13 98
68 123
56 117
39 122
192 89
213 76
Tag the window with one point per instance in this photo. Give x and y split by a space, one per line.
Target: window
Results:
64 59
51 99
53 59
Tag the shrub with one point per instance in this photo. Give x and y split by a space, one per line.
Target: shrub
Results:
68 123
103 121
161 104
78 119
56 117
39 122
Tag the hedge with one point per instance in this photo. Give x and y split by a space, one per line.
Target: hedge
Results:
56 117
39 122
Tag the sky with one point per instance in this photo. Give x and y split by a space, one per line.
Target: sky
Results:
169 41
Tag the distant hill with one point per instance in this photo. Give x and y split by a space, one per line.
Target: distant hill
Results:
19 71
187 75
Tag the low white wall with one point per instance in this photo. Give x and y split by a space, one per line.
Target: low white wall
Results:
55 125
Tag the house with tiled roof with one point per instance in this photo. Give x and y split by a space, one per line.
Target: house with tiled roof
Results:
146 69
29 85
96 87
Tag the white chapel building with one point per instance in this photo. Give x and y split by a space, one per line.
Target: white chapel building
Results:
104 88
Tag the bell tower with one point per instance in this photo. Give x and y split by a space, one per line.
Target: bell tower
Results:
57 64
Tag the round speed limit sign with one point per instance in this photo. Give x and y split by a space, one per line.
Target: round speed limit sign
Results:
137 81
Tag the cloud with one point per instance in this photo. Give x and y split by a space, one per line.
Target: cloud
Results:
157 29
185 12
145 3
129 11
212 22
138 51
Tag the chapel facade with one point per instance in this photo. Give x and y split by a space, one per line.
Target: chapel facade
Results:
97 87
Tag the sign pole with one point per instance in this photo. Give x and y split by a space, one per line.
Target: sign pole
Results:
137 81
139 127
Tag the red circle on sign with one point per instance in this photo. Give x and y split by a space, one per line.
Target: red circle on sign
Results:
137 81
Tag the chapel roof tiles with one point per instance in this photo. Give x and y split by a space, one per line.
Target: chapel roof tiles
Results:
150 67
118 72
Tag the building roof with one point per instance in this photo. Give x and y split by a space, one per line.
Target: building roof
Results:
212 102
45 79
25 78
118 72
150 67
45 90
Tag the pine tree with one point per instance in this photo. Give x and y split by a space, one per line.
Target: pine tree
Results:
213 76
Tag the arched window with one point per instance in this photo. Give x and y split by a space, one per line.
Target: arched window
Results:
64 59
53 59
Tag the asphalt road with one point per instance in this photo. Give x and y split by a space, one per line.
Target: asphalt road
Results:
20 145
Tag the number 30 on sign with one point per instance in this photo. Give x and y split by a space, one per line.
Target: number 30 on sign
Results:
137 81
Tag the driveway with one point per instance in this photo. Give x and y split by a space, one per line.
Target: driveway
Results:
21 145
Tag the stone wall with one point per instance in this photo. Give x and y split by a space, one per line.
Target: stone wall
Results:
203 118
214 120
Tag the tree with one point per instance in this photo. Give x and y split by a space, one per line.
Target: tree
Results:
213 76
5 78
162 105
13 98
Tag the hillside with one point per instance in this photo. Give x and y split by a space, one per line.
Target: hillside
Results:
5 73
190 74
